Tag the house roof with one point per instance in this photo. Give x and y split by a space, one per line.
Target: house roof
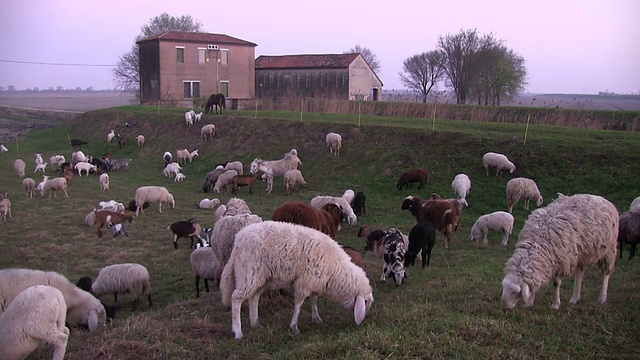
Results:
332 61
185 36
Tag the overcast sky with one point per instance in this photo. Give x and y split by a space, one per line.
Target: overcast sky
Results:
569 46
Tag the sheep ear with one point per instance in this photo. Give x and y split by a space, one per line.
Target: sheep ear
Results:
526 294
359 310
93 320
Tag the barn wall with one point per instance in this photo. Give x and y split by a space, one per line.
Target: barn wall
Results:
362 80
321 83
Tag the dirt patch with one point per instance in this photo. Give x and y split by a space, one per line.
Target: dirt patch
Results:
10 129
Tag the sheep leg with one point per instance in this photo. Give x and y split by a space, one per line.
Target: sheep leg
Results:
253 308
315 316
160 207
505 237
386 271
198 286
486 237
577 286
526 204
236 322
58 337
206 284
605 288
556 295
424 256
293 326
632 251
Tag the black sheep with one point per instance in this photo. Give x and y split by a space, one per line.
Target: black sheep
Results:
629 231
421 238
358 203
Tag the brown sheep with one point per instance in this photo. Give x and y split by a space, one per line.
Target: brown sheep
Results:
355 255
122 141
373 239
68 175
105 218
411 176
326 220
443 214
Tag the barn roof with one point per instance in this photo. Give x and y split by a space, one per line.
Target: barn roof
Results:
185 36
324 61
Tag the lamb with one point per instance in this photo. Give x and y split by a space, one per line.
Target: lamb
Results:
110 136
37 314
373 239
19 166
56 161
197 117
86 167
171 168
358 203
235 165
5 206
123 278
151 194
3 149
629 231
29 186
334 143
635 204
167 157
275 255
208 203
224 180
179 177
293 178
522 188
140 140
347 212
83 309
55 184
422 237
225 230
409 177
274 168
104 182
106 218
562 239
326 220
498 220
41 167
499 161
244 180
184 155
443 214
205 265
393 252
188 118
208 132
212 177
187 229
461 185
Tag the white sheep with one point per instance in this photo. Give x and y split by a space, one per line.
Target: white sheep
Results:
38 159
112 205
224 231
35 316
171 168
208 132
90 218
151 194
498 221
237 206
208 203
334 143
635 204
110 136
319 201
41 167
499 161
179 177
349 195
86 167
123 278
5 206
104 182
197 117
461 185
522 188
188 118
562 239
224 180
29 186
220 212
273 168
78 156
235 165
293 178
83 309
140 140
19 166
185 155
277 255
56 161
55 184
3 149
205 265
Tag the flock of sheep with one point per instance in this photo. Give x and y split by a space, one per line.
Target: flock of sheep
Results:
296 249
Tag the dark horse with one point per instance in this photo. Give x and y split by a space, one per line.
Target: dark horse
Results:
215 100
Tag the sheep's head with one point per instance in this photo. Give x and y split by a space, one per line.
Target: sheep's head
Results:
513 289
255 165
539 201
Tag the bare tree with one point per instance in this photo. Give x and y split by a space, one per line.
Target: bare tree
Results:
422 72
368 56
127 70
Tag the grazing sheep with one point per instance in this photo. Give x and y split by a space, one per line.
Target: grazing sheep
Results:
187 229
223 180
140 140
275 168
562 239
275 255
86 167
106 218
123 278
334 143
208 132
184 155
29 186
293 178
205 265
5 206
347 212
56 161
498 220
235 165
422 237
55 184
83 309
522 188
19 166
3 149
372 238
635 204
212 177
167 157
443 214
326 220
225 230
171 168
393 252
499 161
409 177
104 182
110 136
208 204
179 177
37 314
461 185
151 194
629 231
358 203
244 180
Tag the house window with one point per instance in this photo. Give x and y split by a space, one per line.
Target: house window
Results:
201 56
180 55
224 57
191 89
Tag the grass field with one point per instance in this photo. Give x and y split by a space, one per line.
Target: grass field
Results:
450 309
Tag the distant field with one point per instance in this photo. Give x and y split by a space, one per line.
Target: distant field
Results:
72 101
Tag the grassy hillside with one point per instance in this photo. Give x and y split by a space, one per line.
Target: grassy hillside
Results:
450 309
